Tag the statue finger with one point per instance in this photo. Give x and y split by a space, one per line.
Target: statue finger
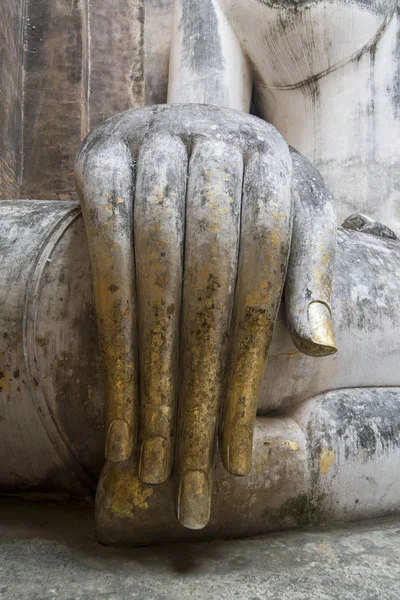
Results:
105 184
159 218
264 251
211 251
310 272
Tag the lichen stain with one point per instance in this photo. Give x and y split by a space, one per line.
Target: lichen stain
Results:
326 459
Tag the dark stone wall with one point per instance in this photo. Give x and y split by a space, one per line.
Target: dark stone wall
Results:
12 15
157 41
55 96
116 58
81 62
84 64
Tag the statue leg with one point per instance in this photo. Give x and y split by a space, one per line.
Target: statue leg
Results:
333 458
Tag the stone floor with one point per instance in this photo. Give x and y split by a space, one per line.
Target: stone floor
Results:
49 552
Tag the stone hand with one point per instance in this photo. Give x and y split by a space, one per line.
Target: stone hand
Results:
188 211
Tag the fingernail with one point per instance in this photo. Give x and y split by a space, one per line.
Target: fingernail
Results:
320 322
240 450
119 441
194 500
154 460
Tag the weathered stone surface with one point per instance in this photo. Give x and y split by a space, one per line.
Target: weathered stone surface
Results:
84 62
361 167
359 222
227 151
42 457
342 111
354 445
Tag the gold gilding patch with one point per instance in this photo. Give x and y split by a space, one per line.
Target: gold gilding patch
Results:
277 445
119 439
289 354
126 492
290 444
326 459
282 442
5 384
325 258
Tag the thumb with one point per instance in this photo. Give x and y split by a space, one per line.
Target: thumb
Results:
310 271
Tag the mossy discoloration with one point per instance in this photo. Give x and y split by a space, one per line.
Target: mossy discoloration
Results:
362 420
304 510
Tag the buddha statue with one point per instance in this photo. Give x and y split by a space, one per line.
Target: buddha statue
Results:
249 347
198 214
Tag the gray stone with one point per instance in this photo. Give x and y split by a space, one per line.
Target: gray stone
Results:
48 552
359 222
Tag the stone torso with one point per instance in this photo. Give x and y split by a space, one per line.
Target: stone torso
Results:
326 75
290 42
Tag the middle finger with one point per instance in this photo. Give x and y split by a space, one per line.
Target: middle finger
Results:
211 250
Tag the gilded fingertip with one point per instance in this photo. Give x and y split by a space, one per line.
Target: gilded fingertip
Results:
119 441
321 329
194 501
153 466
240 450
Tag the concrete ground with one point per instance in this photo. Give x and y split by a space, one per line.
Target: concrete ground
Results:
48 551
